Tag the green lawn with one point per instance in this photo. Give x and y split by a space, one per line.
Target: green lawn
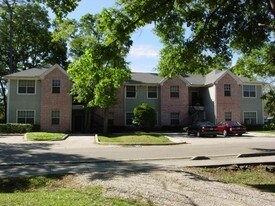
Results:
255 176
55 190
139 138
263 132
44 136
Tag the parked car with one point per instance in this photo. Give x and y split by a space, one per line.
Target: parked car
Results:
231 128
203 128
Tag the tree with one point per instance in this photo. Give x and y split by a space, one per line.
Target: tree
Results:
145 116
198 36
26 41
99 72
32 41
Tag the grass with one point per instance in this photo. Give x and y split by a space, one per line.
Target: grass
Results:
264 132
139 138
44 136
56 190
255 176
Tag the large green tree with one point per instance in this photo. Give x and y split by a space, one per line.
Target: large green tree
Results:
97 74
198 36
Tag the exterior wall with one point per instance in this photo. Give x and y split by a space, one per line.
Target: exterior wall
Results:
253 104
227 103
61 102
169 104
209 97
23 101
141 97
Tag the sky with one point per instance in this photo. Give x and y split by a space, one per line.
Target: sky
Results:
144 53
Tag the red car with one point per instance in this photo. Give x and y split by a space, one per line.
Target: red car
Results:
231 128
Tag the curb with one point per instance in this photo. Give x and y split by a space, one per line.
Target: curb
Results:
191 158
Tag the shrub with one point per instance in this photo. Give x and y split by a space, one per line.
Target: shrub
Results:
145 117
16 128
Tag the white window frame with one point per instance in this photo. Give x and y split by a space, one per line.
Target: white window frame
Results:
126 92
250 112
26 89
250 85
56 86
171 91
55 117
151 92
26 110
229 114
174 118
227 88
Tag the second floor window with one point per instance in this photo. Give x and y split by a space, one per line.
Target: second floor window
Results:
26 86
174 91
131 91
227 90
55 117
152 92
56 86
249 91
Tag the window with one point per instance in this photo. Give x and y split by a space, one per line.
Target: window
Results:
174 91
56 86
25 117
131 91
249 91
26 86
250 118
227 116
227 90
55 117
152 92
175 118
129 118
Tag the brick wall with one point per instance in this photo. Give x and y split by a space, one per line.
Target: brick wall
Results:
61 102
171 104
227 103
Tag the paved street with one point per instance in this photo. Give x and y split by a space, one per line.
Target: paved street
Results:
80 153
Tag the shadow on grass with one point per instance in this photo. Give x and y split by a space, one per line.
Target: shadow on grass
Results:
264 187
22 184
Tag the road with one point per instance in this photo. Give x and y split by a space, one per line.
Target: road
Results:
81 151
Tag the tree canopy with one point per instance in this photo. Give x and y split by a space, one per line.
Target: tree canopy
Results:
198 36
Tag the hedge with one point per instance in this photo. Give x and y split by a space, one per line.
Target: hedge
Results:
17 128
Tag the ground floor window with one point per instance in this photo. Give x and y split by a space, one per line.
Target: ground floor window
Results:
175 118
250 118
227 116
25 116
55 117
129 118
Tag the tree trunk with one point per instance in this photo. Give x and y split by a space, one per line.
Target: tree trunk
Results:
11 63
3 91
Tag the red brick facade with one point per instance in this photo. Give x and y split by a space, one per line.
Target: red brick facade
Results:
230 103
61 102
170 105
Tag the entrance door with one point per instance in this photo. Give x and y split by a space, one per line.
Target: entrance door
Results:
78 123
195 98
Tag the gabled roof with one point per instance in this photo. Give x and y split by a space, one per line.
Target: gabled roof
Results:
35 73
144 78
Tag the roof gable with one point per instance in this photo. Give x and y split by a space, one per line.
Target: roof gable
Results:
56 66
35 73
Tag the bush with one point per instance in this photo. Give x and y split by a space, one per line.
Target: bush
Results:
255 127
16 128
269 126
145 117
